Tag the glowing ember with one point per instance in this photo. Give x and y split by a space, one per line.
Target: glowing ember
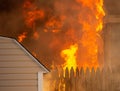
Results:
22 37
70 56
34 54
36 35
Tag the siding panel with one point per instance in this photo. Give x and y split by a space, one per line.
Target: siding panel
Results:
14 57
22 88
18 76
18 64
19 70
18 83
4 40
8 45
11 51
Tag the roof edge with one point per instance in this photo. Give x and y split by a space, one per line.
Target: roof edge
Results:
28 52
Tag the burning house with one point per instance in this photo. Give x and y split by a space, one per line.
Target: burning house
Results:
80 37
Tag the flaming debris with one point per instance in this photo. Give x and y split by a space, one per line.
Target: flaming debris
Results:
22 37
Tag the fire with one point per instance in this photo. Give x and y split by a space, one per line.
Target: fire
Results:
91 20
22 37
80 25
70 57
53 25
32 13
31 16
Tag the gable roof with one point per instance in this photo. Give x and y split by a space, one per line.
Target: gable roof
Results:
26 51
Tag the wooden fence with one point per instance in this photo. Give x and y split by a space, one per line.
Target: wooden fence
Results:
79 80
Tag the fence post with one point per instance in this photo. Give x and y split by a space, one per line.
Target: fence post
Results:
62 80
72 80
77 81
98 79
81 80
87 80
56 75
67 81
92 80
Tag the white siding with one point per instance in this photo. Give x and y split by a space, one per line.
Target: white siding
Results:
18 76
18 83
11 52
18 71
19 88
40 81
17 64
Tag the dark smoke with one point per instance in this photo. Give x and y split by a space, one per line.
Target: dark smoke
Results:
12 24
48 46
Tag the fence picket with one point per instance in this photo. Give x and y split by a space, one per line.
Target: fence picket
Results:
80 80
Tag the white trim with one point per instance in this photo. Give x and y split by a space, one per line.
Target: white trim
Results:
5 38
31 56
40 81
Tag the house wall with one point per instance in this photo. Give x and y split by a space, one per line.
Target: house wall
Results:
18 72
112 48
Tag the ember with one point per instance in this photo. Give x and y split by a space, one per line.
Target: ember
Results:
22 37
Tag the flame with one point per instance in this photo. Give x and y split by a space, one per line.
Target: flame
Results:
32 13
22 37
53 25
80 25
32 16
70 57
92 24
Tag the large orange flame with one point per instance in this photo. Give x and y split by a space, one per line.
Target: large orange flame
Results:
81 25
70 57
92 24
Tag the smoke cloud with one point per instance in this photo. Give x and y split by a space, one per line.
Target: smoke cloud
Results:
60 27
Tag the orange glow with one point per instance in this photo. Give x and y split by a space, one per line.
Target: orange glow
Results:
53 25
92 24
80 25
36 35
31 14
70 56
22 37
34 54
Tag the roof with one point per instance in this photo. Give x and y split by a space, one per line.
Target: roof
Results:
27 51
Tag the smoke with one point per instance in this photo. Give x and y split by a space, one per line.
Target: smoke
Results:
112 43
48 39
112 7
12 24
61 26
